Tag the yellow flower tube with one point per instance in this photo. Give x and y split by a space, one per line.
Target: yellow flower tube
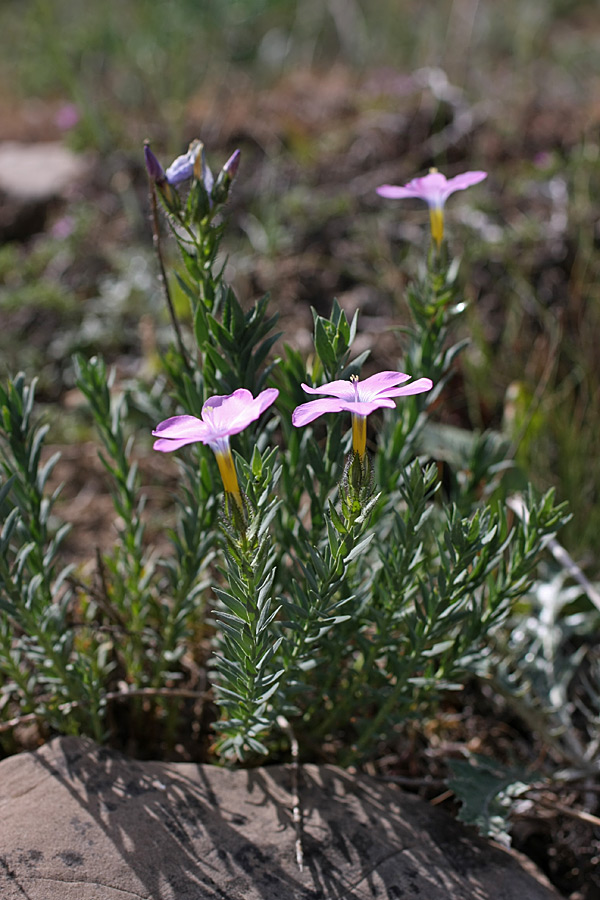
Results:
359 435
228 474
436 219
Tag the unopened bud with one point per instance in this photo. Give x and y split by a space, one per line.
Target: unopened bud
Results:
153 167
158 177
233 164
225 178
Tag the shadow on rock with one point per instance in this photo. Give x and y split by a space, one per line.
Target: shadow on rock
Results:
80 822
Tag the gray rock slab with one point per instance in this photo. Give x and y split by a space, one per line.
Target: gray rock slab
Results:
80 822
32 177
38 172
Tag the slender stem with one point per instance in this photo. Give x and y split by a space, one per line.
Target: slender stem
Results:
377 722
163 275
393 698
340 711
296 808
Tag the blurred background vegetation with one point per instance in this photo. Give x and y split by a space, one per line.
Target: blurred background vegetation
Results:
327 100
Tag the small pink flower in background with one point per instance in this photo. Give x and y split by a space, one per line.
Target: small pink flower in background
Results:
222 416
67 117
434 189
543 160
63 227
360 398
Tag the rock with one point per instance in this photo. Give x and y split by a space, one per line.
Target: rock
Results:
80 822
38 171
31 177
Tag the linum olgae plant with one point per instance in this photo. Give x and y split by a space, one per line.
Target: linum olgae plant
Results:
320 573
352 592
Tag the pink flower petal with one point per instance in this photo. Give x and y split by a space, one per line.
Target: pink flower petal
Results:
266 398
382 382
230 413
239 409
308 412
415 387
366 407
344 390
395 192
460 182
181 427
167 446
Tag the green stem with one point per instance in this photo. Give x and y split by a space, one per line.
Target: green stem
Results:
375 725
163 276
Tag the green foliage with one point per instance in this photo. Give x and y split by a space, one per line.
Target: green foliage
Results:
488 791
247 664
548 670
147 59
45 664
333 343
342 593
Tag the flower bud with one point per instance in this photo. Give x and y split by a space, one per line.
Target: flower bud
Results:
153 167
233 164
158 178
220 192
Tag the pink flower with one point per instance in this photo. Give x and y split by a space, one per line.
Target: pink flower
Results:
222 416
360 398
434 189
67 117
63 227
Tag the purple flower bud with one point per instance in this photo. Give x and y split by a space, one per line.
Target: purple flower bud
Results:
232 165
153 167
222 186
